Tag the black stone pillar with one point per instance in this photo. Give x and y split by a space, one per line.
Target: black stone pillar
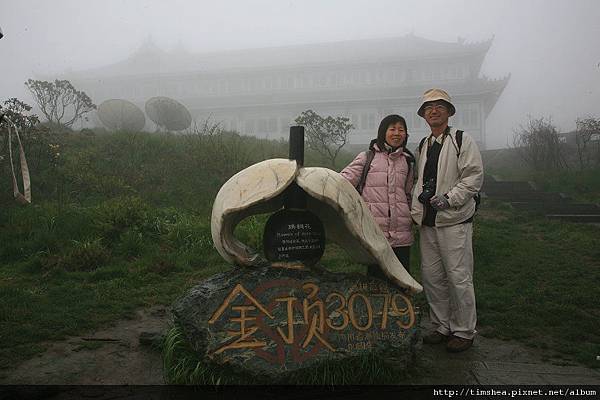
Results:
294 234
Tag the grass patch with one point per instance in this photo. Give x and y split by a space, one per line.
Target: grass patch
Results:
182 366
128 255
536 281
122 221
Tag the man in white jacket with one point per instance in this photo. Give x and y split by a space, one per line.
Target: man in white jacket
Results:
450 174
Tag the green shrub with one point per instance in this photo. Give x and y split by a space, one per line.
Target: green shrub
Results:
131 243
115 216
187 231
86 255
250 231
161 263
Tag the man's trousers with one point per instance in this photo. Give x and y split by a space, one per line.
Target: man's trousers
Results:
447 274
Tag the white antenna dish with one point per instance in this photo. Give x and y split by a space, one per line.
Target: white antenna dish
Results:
120 114
168 113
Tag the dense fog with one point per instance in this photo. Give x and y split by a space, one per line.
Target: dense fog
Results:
549 48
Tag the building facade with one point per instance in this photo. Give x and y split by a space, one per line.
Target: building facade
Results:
261 91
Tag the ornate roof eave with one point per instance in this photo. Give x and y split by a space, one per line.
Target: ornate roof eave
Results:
150 54
496 89
491 89
484 47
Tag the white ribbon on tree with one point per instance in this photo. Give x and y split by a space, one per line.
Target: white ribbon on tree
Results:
25 197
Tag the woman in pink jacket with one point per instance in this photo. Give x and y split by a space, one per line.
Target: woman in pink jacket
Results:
388 185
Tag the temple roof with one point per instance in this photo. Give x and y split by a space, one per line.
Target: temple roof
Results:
150 59
487 89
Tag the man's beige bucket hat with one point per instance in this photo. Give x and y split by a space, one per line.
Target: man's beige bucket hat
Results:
435 95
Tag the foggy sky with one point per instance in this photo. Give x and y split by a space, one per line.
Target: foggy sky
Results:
551 48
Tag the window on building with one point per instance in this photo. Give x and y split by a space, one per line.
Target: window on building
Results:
396 75
305 83
364 121
262 125
452 74
347 76
388 76
465 118
474 117
330 80
322 80
371 121
284 125
417 122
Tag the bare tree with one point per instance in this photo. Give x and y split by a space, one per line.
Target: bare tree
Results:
59 101
587 133
325 135
538 144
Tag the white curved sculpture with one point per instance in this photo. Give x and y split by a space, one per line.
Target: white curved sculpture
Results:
258 189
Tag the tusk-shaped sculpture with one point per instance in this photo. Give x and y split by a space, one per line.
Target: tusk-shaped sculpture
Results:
258 189
252 191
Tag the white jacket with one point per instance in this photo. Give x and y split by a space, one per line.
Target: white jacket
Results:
460 177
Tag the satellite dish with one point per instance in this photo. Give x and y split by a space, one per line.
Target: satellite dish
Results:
168 113
121 115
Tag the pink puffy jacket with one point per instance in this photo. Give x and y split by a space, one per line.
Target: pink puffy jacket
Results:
387 191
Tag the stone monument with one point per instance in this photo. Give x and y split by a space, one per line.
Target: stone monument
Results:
273 316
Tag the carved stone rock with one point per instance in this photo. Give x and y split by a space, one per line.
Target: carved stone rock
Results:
269 322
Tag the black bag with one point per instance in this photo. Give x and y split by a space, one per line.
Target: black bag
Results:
363 176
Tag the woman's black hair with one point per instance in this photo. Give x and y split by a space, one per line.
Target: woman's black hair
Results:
385 124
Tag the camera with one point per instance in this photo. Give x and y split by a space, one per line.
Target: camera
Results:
428 191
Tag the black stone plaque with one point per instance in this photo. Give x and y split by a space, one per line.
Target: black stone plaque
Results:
294 235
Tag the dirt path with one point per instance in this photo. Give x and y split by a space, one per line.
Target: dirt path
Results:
499 362
123 360
119 359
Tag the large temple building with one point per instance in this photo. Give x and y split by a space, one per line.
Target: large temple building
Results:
261 91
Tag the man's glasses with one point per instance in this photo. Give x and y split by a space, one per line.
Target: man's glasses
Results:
436 107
